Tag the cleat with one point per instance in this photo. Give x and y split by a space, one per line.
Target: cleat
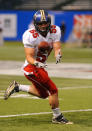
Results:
14 87
60 120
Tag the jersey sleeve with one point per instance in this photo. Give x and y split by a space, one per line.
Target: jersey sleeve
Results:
28 40
57 35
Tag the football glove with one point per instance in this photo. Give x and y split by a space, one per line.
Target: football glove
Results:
40 64
58 58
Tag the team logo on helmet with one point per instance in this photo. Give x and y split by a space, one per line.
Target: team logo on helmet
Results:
40 17
43 18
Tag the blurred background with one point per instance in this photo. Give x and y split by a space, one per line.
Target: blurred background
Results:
73 16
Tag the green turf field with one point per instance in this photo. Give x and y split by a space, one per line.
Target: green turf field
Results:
74 94
15 51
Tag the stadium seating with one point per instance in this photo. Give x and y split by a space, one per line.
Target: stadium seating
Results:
39 4
79 5
46 4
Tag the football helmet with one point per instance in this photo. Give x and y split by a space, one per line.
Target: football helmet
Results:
42 21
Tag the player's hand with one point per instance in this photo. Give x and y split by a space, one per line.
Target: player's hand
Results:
40 64
58 58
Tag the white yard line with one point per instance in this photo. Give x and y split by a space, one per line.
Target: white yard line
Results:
79 87
2 91
26 96
40 113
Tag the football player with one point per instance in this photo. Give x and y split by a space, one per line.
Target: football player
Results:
38 43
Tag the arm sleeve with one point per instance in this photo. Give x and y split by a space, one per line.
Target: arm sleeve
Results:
28 40
57 35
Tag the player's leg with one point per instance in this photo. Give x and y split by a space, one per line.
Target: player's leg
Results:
32 74
54 103
46 88
31 89
35 89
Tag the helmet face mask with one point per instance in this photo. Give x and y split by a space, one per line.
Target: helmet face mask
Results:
43 26
42 22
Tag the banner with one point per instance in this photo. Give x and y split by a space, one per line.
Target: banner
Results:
9 24
82 27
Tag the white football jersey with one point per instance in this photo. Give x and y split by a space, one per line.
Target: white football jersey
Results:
31 39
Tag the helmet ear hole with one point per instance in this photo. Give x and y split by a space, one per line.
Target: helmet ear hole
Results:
40 17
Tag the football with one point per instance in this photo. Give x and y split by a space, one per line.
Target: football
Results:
43 46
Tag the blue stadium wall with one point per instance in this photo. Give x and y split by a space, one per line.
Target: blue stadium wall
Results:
25 17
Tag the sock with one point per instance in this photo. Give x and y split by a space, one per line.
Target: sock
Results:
56 112
24 88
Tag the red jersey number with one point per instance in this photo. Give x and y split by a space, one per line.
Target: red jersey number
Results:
53 29
34 33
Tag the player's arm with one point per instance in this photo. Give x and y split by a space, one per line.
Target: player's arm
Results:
30 53
57 51
29 47
30 57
